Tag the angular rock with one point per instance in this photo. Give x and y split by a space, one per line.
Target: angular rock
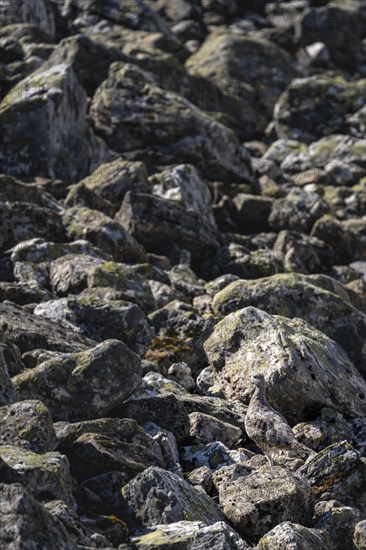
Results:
304 369
292 535
259 501
184 185
209 429
29 331
51 103
297 117
316 300
112 180
303 254
24 522
83 385
157 496
27 424
337 526
213 455
131 285
252 212
68 517
7 392
104 232
39 13
190 535
298 211
45 476
167 125
359 536
335 473
69 274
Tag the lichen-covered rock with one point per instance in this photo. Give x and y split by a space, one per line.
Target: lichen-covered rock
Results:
83 385
335 159
7 392
132 286
213 455
303 254
303 367
27 424
259 501
45 476
168 125
184 185
104 232
159 224
247 67
319 24
21 221
25 523
112 180
337 526
190 535
52 103
297 116
39 13
69 274
252 212
298 211
157 496
28 331
68 517
293 295
101 318
209 429
334 473
288 535
359 535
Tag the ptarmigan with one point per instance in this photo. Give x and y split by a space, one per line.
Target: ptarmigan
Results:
267 427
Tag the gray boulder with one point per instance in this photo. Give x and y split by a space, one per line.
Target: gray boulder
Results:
292 535
157 496
25 523
304 369
259 501
83 385
52 103
27 424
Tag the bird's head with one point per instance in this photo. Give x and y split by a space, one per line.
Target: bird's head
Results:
258 380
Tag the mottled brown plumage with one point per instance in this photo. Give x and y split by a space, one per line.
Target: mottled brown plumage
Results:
267 427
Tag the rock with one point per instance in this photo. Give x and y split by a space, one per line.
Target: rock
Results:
157 496
166 223
80 53
68 517
292 535
88 384
130 284
283 294
297 117
300 363
167 444
246 67
346 237
92 454
259 501
213 455
102 319
297 212
39 13
209 429
181 373
337 526
319 23
52 103
7 392
238 260
303 254
104 232
22 294
24 522
190 535
335 473
21 221
27 424
359 535
29 331
186 132
184 185
112 180
45 476
12 358
69 274
252 212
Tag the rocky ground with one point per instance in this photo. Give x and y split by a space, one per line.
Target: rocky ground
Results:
182 205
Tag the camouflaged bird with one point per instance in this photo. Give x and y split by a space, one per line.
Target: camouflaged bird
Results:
267 427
